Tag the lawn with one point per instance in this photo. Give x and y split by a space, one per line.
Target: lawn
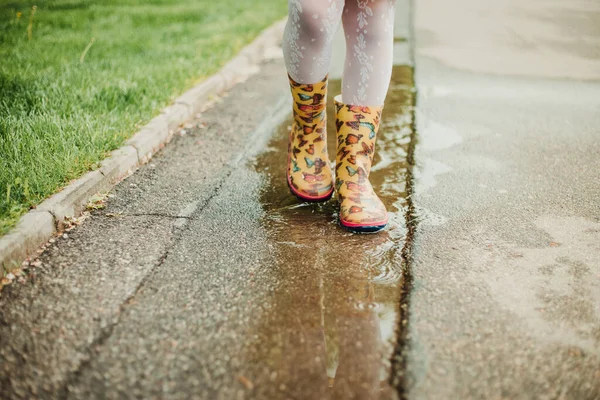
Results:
77 78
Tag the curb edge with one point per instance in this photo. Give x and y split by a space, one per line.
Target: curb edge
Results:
40 224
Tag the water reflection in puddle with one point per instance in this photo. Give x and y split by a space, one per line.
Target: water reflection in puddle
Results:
329 330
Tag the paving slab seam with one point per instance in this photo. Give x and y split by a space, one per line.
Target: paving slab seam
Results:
398 378
36 227
256 137
157 215
107 332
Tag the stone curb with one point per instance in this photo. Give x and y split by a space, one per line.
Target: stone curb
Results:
39 225
32 230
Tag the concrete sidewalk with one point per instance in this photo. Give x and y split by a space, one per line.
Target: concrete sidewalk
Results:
204 278
506 300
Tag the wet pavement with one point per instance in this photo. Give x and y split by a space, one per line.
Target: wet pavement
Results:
505 300
334 318
291 305
205 278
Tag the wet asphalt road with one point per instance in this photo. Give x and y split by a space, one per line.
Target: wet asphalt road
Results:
506 296
203 278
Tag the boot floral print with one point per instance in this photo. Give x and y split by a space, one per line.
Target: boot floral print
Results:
309 172
357 126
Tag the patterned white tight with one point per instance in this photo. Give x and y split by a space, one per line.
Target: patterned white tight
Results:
369 31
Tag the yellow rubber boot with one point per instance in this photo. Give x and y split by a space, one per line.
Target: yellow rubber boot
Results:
360 209
309 173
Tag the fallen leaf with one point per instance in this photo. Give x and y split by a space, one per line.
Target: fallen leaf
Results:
246 382
97 201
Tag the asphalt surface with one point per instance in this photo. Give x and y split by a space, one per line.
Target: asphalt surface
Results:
506 302
54 328
204 278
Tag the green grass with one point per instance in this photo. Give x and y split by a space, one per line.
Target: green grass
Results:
59 117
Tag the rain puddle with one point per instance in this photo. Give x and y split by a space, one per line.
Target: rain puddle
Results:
329 328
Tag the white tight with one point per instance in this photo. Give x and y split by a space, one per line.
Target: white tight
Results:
369 31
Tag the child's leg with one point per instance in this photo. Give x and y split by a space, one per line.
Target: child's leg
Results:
369 31
308 35
307 50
